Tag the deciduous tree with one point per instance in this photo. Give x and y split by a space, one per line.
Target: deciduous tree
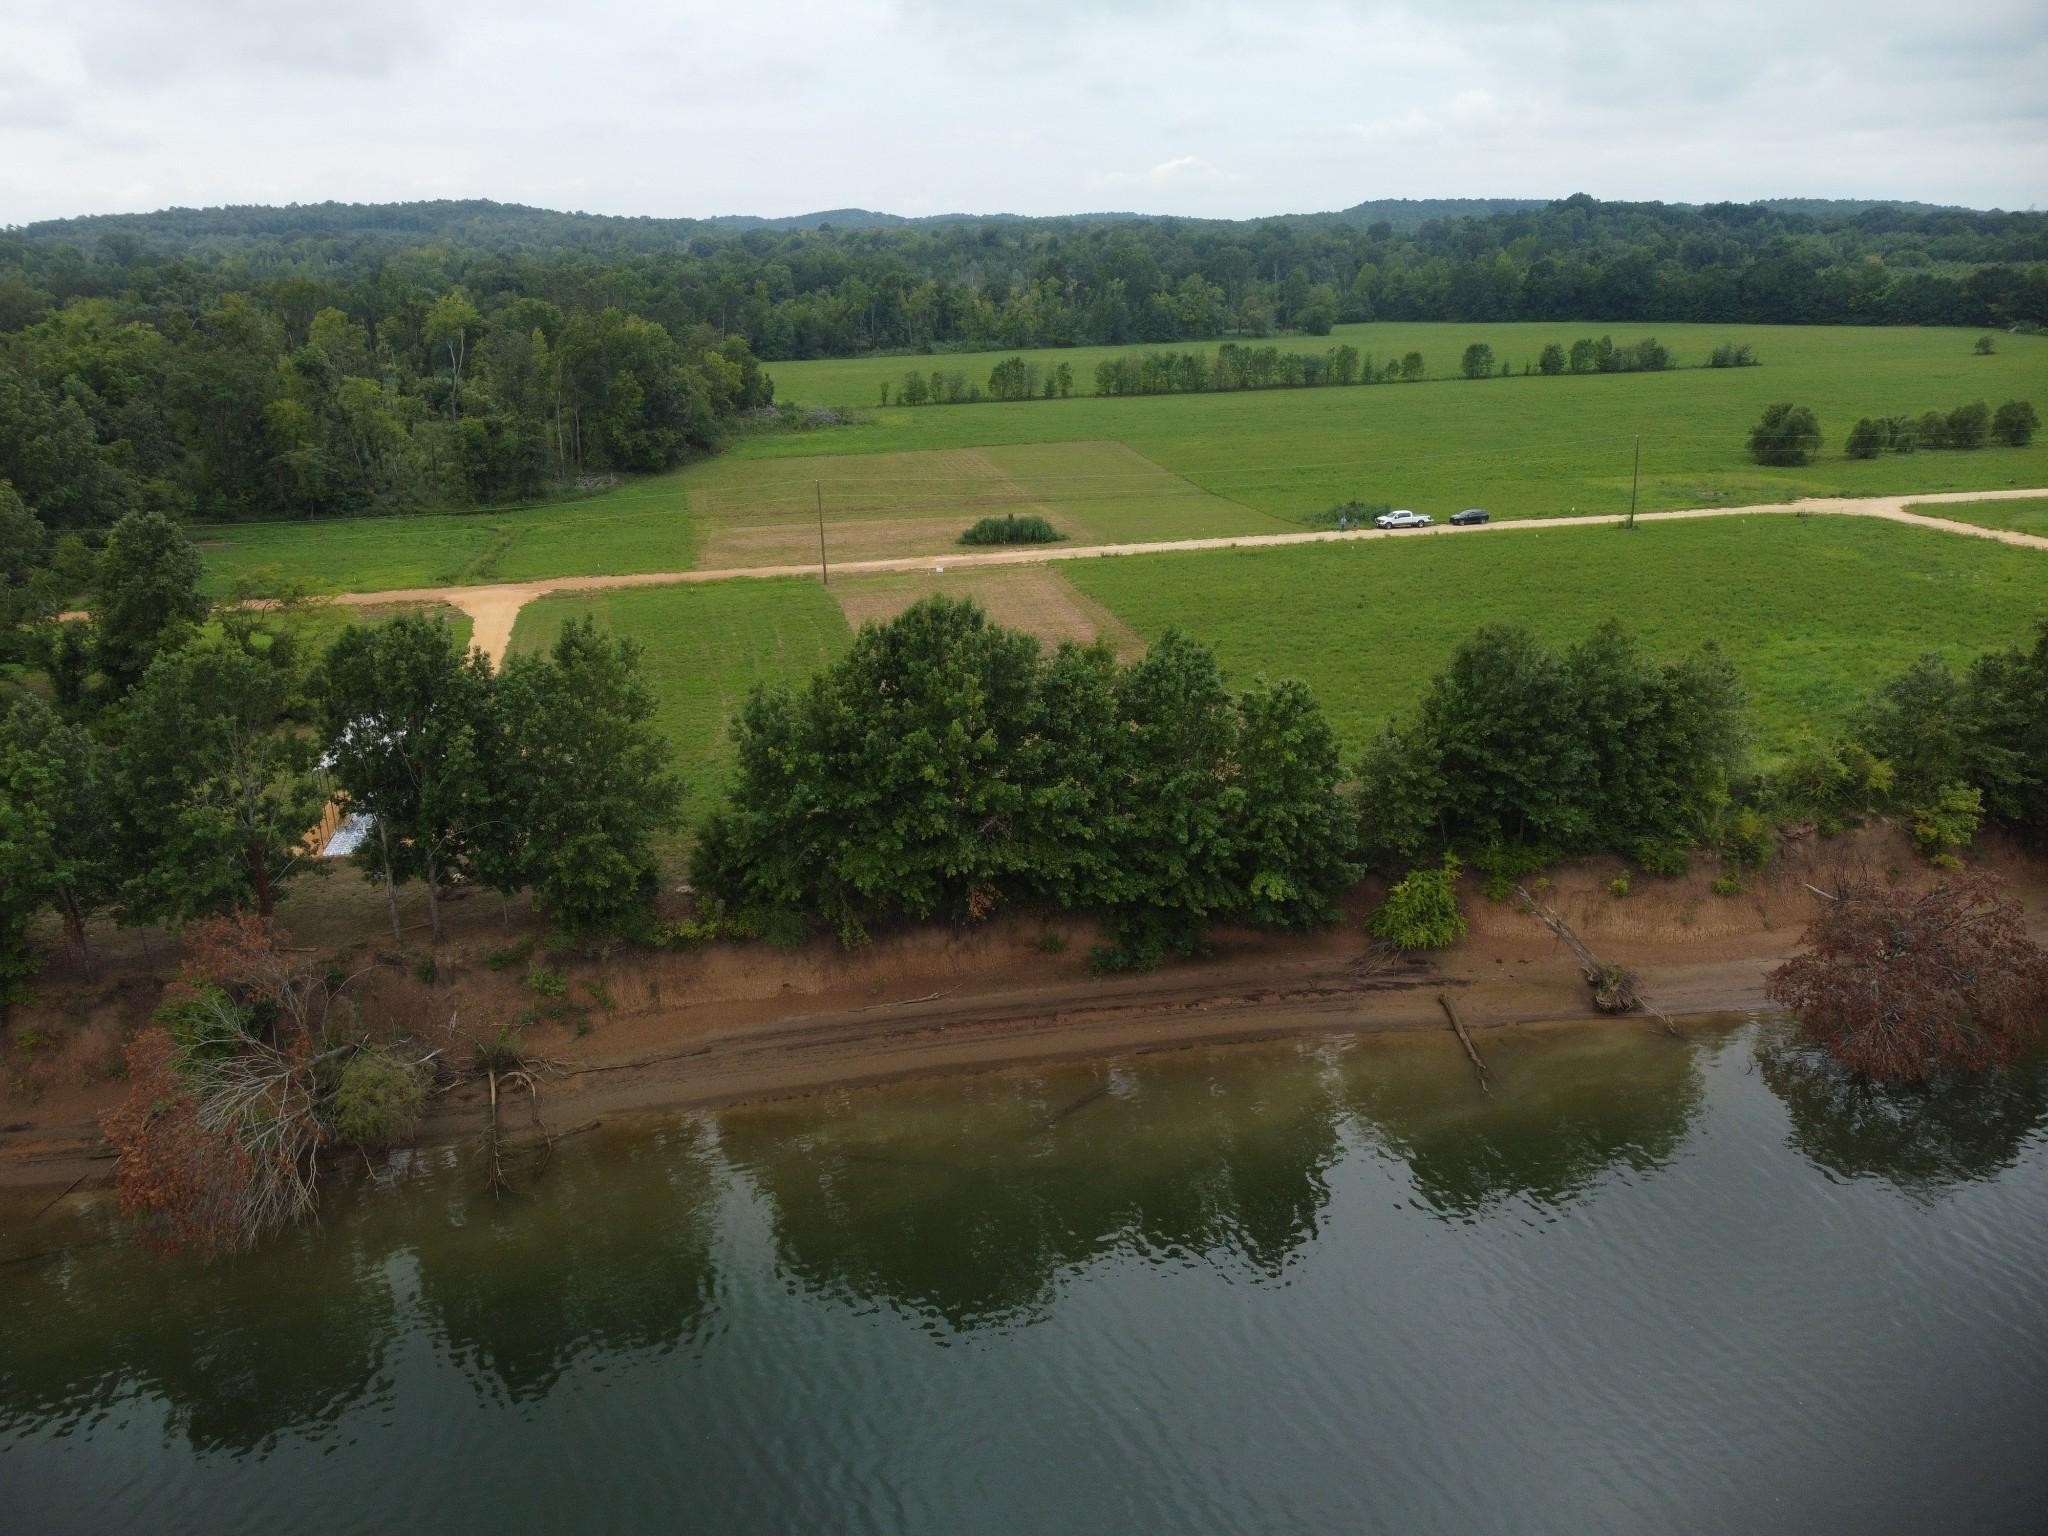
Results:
146 597
1904 986
1786 435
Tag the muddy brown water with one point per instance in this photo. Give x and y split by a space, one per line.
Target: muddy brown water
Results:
1644 1285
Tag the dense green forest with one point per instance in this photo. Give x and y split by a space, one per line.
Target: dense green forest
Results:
339 359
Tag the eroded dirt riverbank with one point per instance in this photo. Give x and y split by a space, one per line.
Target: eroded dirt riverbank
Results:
732 1023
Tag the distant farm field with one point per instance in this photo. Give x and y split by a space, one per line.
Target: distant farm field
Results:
1168 466
1814 612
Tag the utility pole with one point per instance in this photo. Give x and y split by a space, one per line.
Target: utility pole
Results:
1634 479
824 571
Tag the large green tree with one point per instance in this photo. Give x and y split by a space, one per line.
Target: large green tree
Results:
1785 435
55 847
212 785
147 596
583 779
1597 749
409 721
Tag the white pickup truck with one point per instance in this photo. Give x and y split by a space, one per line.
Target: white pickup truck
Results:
1401 519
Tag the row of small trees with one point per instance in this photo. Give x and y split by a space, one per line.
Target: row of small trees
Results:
1967 426
1790 434
1235 366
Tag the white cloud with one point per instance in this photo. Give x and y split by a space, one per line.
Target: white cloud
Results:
1221 107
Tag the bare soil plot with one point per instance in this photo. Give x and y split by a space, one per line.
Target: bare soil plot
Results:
1034 598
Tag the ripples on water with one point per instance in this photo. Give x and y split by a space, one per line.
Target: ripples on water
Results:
1643 1286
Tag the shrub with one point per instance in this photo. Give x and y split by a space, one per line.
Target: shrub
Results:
1786 435
1866 440
1012 529
1931 431
513 954
203 1022
1729 885
1969 426
1947 821
1663 857
379 1097
503 1052
548 983
1985 346
1352 512
2014 423
1421 912
1618 886
1748 840
1733 355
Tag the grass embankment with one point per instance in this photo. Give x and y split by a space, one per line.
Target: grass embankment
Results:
704 648
2026 514
1173 466
1814 612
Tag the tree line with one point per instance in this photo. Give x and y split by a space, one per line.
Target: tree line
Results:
212 395
1789 434
327 361
1235 366
984 284
185 752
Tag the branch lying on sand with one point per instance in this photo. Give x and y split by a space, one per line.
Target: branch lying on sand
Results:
905 1002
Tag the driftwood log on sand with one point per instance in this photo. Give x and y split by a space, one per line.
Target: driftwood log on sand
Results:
1616 989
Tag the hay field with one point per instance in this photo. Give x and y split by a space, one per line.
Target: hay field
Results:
1133 469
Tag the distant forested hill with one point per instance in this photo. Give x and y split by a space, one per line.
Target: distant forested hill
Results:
333 358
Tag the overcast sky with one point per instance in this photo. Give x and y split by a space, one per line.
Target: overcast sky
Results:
1027 106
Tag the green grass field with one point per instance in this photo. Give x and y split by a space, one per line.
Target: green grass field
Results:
2023 514
1518 446
704 647
1814 612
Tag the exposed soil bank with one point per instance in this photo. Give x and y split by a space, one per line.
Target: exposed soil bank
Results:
656 1031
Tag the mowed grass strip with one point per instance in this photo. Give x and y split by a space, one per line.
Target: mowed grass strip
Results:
703 648
1814 612
2022 514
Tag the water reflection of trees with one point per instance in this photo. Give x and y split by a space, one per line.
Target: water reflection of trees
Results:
610 1250
1567 1108
964 1202
1924 1138
280 1340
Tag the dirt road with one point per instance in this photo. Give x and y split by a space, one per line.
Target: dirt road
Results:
495 609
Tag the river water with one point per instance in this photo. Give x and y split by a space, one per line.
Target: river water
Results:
1643 1286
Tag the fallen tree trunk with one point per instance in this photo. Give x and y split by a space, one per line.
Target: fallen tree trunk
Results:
1616 989
1465 1039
